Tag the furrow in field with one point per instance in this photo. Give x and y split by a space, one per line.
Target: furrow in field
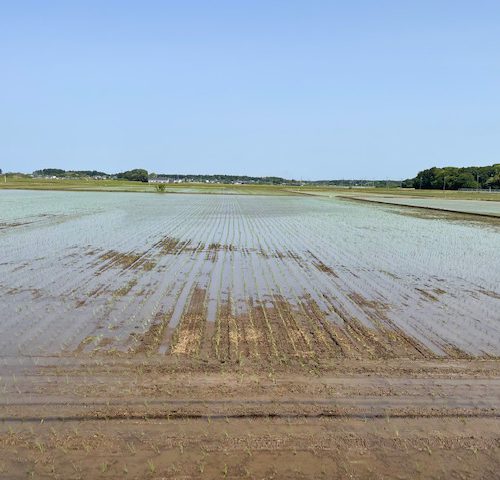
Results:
335 288
445 312
189 317
315 314
134 313
361 333
289 338
256 304
128 317
226 342
248 337
244 277
51 322
387 289
298 326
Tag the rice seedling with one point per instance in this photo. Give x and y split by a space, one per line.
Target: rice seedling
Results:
277 283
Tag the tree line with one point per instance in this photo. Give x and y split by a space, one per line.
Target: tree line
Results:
135 175
58 172
454 178
221 178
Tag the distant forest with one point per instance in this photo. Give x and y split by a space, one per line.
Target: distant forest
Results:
454 178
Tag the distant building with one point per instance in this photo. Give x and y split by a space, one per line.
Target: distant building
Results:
160 179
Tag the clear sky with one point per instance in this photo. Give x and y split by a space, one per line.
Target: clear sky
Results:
305 89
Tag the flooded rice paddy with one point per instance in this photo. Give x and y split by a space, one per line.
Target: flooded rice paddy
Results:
477 207
231 277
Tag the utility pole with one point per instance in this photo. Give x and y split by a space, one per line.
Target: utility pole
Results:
444 184
477 181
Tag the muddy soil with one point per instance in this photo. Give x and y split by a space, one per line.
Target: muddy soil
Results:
225 336
161 417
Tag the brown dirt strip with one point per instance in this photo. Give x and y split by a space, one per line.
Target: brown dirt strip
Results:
243 448
107 417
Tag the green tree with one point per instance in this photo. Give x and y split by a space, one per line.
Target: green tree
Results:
136 175
454 178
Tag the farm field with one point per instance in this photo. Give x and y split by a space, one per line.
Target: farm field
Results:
445 195
234 278
476 207
323 335
92 185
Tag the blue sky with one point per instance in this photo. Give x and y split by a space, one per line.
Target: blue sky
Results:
303 89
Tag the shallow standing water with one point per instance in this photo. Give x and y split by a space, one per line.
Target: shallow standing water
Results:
229 276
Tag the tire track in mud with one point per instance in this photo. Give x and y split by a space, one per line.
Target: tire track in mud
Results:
332 413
